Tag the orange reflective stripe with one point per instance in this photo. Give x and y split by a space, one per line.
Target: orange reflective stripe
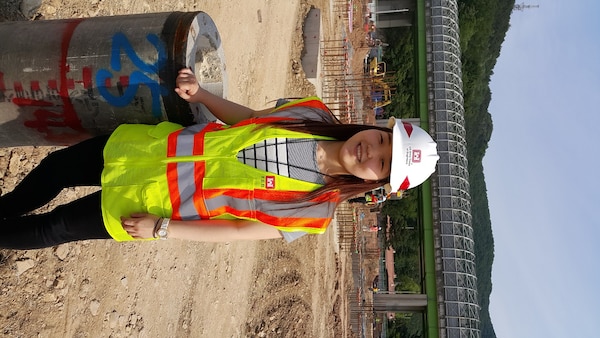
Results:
199 171
332 196
199 137
236 193
173 189
172 143
304 222
172 175
277 195
261 120
226 209
311 102
198 147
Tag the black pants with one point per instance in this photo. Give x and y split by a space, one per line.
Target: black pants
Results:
78 165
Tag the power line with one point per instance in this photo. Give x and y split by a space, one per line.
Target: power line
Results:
522 6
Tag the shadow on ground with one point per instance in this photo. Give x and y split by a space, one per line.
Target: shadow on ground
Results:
9 11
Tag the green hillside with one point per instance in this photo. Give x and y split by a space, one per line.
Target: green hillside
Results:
483 26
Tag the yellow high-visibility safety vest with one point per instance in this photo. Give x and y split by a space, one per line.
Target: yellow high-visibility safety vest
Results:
193 173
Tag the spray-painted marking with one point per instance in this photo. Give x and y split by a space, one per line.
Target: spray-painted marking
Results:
86 74
35 86
70 117
31 102
124 80
45 117
18 86
52 84
49 114
128 86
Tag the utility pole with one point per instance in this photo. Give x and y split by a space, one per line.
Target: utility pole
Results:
522 6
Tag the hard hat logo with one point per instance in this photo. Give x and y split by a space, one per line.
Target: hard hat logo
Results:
414 155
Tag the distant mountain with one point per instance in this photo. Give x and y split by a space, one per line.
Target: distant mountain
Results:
483 27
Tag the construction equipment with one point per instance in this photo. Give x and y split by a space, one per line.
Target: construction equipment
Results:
381 94
376 68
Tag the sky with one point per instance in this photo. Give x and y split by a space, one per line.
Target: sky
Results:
542 173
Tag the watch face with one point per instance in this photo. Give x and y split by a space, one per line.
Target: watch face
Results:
162 232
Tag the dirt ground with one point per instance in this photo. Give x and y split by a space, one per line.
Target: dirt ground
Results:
176 288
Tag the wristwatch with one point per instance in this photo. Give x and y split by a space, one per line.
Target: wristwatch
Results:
163 232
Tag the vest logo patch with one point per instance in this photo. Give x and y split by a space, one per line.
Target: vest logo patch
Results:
270 182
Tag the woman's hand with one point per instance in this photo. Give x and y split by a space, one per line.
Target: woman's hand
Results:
140 225
228 112
187 85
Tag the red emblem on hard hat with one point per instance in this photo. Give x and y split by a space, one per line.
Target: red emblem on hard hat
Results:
408 127
404 185
416 155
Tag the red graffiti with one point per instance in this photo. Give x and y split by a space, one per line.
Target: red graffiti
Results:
70 116
35 86
52 115
52 84
87 78
18 86
23 102
124 80
46 118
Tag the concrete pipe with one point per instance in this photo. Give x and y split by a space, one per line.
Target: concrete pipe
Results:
62 81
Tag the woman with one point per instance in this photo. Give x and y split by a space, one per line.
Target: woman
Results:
264 174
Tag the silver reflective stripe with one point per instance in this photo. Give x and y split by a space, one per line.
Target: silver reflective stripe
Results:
279 210
185 140
187 188
296 210
242 204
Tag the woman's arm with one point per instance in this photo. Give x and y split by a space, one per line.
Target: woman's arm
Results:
142 226
222 230
225 110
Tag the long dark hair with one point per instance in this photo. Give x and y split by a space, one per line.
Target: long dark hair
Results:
346 185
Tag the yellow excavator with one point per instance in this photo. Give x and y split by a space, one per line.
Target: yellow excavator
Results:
381 94
377 69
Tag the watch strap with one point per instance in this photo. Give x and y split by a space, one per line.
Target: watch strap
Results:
163 232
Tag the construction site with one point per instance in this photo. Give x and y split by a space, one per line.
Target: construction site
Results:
339 284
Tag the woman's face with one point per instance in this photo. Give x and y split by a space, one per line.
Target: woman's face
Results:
368 154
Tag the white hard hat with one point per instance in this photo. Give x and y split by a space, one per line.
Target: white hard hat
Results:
414 155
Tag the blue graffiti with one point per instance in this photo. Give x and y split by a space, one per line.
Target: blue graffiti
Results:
137 77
